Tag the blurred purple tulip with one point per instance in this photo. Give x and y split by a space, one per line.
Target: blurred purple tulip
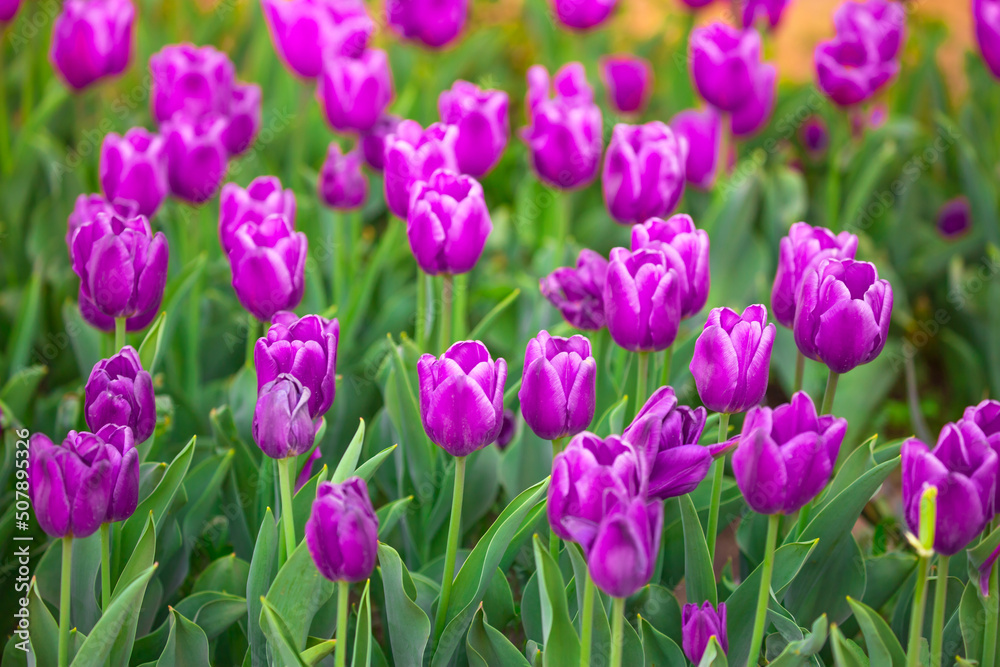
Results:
373 141
412 154
260 199
483 126
243 120
756 111
753 11
119 392
302 30
578 292
558 393
954 218
986 22
687 252
86 209
583 14
986 416
268 261
643 172
355 91
433 23
700 132
448 223
642 300
342 531
342 185
190 81
8 9
196 157
724 63
508 430
91 40
134 167
629 82
815 136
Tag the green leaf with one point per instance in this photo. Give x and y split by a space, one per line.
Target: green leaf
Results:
149 349
263 566
213 611
822 585
349 461
119 620
488 647
280 637
714 656
362 654
404 413
698 572
390 514
26 325
409 626
612 419
367 469
562 645
494 313
799 653
314 654
972 616
298 591
845 652
303 501
186 646
228 574
43 630
659 649
883 647
18 391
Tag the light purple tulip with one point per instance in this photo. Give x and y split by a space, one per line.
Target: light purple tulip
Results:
190 81
986 21
754 11
756 111
91 40
687 252
342 185
412 154
196 157
302 30
642 300
623 555
373 141
583 14
700 133
629 82
558 392
134 167
483 126
448 223
268 262
355 91
86 209
578 292
643 172
260 199
433 23
243 119
724 61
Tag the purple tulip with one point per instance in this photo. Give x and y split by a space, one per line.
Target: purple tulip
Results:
686 250
461 397
355 91
196 157
448 223
306 473
732 357
508 430
342 531
433 23
986 20
373 141
260 199
134 167
342 185
642 300
785 455
801 253
120 393
302 30
696 4
305 348
815 136
756 111
623 554
190 81
243 121
583 14
878 22
986 416
578 292
963 468
86 209
700 132
754 11
564 136
8 9
122 268
724 63
643 172
558 392
483 127
629 82
282 426
954 217
842 314
413 154
699 625
92 39
268 261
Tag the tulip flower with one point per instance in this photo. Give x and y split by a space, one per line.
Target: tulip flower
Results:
342 531
263 197
724 62
190 81
507 431
686 251
629 82
558 391
134 168
483 127
91 40
699 625
700 131
815 136
268 263
305 348
243 120
753 11
342 185
282 425
433 23
697 4
355 91
578 292
86 209
623 554
302 30
986 416
642 299
8 9
750 118
413 154
986 21
879 22
583 14
643 172
119 392
448 223
954 218
373 141
196 156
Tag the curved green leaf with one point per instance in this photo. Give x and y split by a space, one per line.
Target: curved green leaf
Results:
119 619
411 628
560 641
698 573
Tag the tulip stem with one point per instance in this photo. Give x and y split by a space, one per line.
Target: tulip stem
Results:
940 598
340 647
451 554
617 631
800 371
917 615
251 338
420 326
119 333
760 617
6 162
718 470
831 390
642 380
64 591
287 514
444 333
990 638
105 566
460 306
586 620
668 357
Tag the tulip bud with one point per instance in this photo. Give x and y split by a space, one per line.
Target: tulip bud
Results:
699 625
413 154
701 131
583 14
243 120
623 554
986 416
724 61
483 128
302 30
986 21
643 172
433 23
86 209
196 157
373 141
190 81
282 426
8 9
642 300
732 357
124 458
954 217
755 11
461 397
578 292
842 314
342 531
558 391
268 261
686 250
92 39
815 136
785 456
342 185
260 199
355 91
629 82
750 118
448 223
120 392
134 167
507 431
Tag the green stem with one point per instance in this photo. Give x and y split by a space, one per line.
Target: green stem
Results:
64 591
725 139
460 306
287 514
617 631
420 326
917 614
586 621
340 648
119 333
760 617
718 470
451 554
251 338
831 390
444 331
340 258
800 371
668 357
105 566
990 638
940 598
557 446
642 380
6 162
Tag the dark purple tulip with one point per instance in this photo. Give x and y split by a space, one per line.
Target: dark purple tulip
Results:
963 468
643 172
196 156
342 185
583 14
433 23
986 20
282 426
120 393
842 314
724 61
306 473
756 111
243 120
986 416
260 199
686 250
373 141
342 531
508 430
302 30
732 358
448 223
191 81
122 267
629 82
134 167
483 126
800 253
642 300
954 217
558 392
8 9
461 397
762 10
92 39
623 554
413 154
86 209
589 477
578 292
849 72
785 456
306 348
699 625
355 91
815 136
700 131
268 261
